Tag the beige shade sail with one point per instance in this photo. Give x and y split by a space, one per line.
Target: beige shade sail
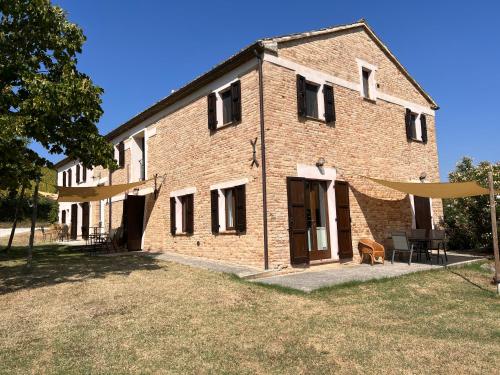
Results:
436 189
48 195
93 193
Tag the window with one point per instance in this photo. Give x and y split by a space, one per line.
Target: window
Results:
416 126
230 195
310 104
121 154
84 170
142 162
185 210
367 84
224 106
228 206
366 73
77 174
63 217
181 214
70 177
64 179
413 125
312 100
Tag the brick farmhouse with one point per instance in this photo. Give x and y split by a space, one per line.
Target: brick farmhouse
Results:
261 161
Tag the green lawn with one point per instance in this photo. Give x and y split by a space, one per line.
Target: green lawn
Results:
75 314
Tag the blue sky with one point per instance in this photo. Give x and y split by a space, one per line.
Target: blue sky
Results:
138 51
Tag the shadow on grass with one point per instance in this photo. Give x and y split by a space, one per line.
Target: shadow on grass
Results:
475 267
56 264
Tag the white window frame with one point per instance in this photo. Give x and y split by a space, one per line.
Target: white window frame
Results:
418 126
221 187
218 102
372 82
178 194
320 100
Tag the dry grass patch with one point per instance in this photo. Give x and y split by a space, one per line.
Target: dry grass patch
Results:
76 314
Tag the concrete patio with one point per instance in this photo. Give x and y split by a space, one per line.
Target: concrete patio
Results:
311 278
321 276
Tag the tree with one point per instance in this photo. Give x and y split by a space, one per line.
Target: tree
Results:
43 97
468 220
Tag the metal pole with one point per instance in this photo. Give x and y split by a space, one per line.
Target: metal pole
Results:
494 229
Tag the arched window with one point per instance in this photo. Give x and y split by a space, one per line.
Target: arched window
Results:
70 177
64 179
63 217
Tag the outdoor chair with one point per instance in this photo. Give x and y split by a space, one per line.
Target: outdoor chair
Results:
372 249
438 242
401 245
421 242
85 234
45 234
64 233
108 241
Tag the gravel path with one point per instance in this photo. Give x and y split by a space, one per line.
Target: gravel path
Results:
4 232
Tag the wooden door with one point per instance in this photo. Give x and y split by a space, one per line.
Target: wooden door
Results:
297 226
74 221
343 219
85 220
423 218
134 218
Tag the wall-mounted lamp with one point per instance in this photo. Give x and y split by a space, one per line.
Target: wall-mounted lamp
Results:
321 162
423 176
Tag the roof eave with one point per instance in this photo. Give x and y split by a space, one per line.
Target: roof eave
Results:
219 70
360 24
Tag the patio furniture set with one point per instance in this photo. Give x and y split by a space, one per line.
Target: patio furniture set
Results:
96 239
421 242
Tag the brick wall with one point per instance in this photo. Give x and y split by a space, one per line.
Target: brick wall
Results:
185 151
367 139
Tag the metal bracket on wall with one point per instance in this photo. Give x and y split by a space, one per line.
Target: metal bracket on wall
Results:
254 155
157 188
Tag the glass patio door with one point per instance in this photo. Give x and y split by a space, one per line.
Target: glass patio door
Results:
317 220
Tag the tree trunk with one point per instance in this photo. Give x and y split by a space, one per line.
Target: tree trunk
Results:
33 223
16 212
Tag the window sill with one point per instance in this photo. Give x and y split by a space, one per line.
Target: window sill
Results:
369 100
231 232
416 140
224 126
183 234
315 119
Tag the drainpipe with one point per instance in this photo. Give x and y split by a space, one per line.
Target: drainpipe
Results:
110 203
263 152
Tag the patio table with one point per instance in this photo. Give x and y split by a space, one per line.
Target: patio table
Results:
421 244
94 235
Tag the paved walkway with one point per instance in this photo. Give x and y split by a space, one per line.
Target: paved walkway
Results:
208 264
6 231
321 276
